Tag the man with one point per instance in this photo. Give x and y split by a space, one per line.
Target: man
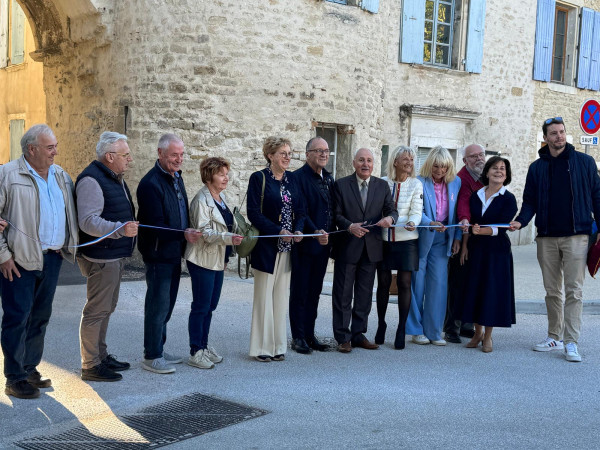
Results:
360 201
310 257
104 205
36 196
163 203
562 190
474 160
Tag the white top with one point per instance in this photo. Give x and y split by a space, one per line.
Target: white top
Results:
486 204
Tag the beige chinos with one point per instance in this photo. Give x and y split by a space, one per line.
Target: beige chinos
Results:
563 257
268 335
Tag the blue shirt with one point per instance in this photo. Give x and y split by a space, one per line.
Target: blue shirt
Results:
53 217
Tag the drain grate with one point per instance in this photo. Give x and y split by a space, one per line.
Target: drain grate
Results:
155 426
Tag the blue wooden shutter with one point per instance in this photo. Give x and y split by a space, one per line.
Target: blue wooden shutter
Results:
413 30
370 5
594 81
585 48
544 38
3 33
475 30
16 130
17 35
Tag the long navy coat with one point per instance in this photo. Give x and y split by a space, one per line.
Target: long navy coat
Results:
490 291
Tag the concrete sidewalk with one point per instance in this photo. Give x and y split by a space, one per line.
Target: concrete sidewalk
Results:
420 398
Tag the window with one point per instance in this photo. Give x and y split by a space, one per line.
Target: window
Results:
565 53
12 33
444 33
339 140
17 130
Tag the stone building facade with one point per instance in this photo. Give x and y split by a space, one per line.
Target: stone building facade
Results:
224 74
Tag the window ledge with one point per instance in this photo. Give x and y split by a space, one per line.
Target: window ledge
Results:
432 68
556 87
14 67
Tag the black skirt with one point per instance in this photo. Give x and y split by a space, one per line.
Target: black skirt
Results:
402 255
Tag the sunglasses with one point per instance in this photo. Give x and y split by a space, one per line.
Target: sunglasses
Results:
554 120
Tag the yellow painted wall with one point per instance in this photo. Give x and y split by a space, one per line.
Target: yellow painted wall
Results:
21 95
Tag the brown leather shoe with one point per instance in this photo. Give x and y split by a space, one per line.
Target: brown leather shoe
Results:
366 344
344 348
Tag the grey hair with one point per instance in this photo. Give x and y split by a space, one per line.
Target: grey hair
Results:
31 136
396 153
167 139
106 142
311 140
363 148
463 150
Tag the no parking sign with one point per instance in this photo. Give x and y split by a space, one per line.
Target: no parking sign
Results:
589 116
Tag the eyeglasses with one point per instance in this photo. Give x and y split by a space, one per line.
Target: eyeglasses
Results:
477 156
47 147
124 155
285 155
554 120
320 151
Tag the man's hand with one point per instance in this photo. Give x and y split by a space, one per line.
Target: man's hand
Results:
130 229
464 225
357 230
3 225
324 238
386 222
298 238
192 235
286 233
8 268
455 246
439 226
514 225
237 239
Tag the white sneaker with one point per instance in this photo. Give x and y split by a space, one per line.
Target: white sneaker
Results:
172 359
571 352
547 345
213 355
439 342
158 365
200 360
421 339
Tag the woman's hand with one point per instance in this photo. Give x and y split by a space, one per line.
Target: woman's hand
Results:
410 226
476 229
439 226
286 233
464 255
237 239
324 238
298 238
455 246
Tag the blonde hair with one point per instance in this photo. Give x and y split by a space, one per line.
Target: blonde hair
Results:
440 156
397 153
272 144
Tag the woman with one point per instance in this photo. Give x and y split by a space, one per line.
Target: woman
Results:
490 291
208 257
275 208
400 250
429 285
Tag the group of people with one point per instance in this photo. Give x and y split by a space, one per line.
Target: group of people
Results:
438 228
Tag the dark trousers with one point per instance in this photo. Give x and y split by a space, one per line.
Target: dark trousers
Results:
27 305
457 280
162 281
349 279
308 272
206 290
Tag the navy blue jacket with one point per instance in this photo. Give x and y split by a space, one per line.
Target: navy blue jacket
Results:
118 207
585 186
319 211
264 253
158 205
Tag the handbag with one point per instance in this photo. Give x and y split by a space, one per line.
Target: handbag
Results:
247 230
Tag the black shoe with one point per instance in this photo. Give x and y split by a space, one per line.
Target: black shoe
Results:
100 373
400 341
36 379
317 345
111 362
22 389
301 346
467 333
452 337
380 334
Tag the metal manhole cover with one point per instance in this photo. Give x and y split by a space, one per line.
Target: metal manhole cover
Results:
155 426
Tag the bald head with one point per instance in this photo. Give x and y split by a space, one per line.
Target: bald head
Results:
363 163
474 158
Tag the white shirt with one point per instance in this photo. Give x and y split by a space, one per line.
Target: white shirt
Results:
485 204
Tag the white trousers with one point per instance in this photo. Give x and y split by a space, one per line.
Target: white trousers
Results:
268 335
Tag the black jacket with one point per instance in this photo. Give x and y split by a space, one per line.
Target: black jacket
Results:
585 185
158 206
